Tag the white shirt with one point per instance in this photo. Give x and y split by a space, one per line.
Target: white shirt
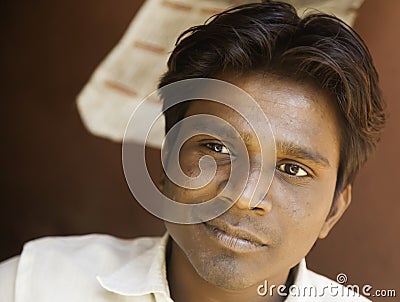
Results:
102 268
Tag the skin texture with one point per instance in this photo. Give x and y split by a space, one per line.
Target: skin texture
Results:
296 211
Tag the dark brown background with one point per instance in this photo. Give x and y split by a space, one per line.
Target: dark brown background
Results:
58 179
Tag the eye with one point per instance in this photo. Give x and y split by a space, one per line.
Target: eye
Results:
218 148
292 170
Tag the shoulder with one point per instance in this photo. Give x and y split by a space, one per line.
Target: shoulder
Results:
70 264
81 242
8 272
95 252
93 245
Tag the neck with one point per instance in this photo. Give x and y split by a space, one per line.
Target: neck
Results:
187 286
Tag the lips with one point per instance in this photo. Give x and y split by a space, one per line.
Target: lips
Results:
233 237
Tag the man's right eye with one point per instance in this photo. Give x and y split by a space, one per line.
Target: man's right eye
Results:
218 148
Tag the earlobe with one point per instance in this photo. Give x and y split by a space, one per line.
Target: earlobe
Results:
339 206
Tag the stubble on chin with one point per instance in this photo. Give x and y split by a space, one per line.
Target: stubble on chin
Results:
221 270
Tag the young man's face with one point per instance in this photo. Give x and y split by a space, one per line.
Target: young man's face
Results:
297 208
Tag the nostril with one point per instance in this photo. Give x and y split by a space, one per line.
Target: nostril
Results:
262 208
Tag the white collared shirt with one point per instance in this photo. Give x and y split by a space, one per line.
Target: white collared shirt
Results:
102 268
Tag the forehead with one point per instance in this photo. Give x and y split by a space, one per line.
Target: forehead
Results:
300 114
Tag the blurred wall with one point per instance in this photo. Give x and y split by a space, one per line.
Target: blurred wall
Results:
57 179
366 243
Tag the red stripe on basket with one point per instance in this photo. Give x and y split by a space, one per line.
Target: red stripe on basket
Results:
120 88
177 5
150 47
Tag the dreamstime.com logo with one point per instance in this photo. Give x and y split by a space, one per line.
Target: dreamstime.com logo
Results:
138 177
331 290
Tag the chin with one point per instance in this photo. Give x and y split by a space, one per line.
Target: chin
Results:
222 270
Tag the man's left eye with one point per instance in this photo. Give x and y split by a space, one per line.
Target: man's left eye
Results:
292 170
218 148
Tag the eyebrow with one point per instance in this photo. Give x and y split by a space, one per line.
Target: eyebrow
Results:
223 132
294 150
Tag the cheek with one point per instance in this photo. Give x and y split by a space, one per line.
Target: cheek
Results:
308 202
190 168
189 163
305 206
302 211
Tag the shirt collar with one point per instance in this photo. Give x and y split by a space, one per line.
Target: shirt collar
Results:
301 281
301 274
146 274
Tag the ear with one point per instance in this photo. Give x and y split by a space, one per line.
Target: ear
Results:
339 206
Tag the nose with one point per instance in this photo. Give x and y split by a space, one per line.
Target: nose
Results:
255 195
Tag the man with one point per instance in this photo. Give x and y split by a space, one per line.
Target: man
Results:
314 80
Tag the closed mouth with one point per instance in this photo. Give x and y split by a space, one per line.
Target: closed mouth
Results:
232 237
